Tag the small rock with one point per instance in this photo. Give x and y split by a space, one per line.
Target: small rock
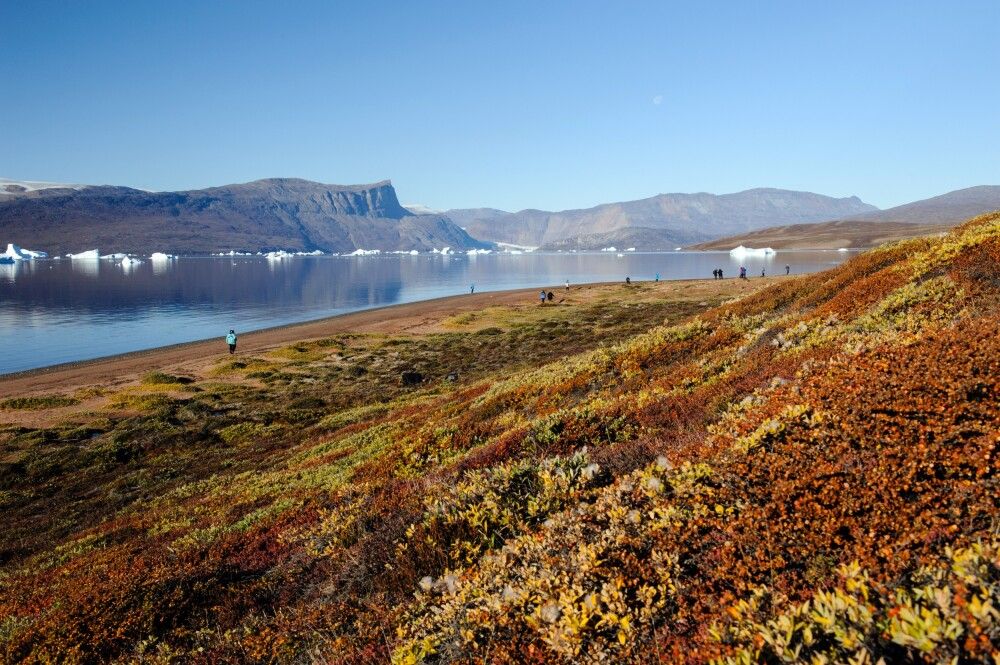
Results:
411 378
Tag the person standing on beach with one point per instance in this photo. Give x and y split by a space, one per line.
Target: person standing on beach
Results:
657 277
472 288
788 269
720 273
567 285
231 341
541 296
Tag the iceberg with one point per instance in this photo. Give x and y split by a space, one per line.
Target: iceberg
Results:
364 252
89 254
742 252
446 250
17 253
843 249
117 256
609 249
474 252
630 249
129 262
161 256
278 255
6 260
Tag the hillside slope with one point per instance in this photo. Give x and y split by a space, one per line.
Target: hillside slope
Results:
929 216
285 213
806 473
669 219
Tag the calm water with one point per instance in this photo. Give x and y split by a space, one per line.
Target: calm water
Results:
59 311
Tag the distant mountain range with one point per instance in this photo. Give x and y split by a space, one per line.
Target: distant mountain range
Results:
278 213
933 215
300 215
664 221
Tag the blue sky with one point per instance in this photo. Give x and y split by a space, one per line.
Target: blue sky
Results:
507 104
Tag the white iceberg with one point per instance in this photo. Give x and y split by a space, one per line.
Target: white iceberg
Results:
446 250
609 249
278 255
161 256
630 249
743 252
677 249
129 262
117 256
6 260
21 254
315 252
89 254
474 252
364 252
843 249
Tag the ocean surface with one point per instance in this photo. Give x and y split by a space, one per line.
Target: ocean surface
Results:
57 311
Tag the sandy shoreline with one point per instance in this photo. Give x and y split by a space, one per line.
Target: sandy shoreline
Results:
420 317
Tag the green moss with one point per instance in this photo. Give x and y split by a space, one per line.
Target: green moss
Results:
38 403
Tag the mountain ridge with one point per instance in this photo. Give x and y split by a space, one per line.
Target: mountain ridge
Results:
271 213
674 219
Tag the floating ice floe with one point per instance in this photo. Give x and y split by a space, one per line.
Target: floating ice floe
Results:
741 251
89 254
278 255
630 249
677 249
161 256
474 252
364 252
21 254
117 256
609 249
315 252
843 249
510 247
446 250
129 262
231 252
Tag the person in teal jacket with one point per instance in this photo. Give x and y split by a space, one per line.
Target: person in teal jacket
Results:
231 341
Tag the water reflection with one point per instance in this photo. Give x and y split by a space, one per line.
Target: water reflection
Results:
58 311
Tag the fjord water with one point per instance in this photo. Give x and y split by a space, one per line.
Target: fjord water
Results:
61 311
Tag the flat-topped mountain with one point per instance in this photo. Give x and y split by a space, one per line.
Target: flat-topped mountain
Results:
665 220
276 213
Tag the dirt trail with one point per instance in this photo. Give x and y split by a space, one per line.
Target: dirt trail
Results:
414 318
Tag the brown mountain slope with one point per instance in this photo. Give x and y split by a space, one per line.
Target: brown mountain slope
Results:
926 217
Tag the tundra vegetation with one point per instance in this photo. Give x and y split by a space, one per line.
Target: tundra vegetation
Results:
808 474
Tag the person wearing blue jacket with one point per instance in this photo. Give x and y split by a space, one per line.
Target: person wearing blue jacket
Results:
231 341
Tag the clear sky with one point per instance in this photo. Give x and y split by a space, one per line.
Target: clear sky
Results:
506 104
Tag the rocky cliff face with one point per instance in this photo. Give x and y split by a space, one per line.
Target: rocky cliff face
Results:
280 213
680 218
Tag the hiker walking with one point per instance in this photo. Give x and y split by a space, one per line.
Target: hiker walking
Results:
628 280
551 296
788 269
541 296
720 273
567 285
657 277
715 274
743 272
472 288
762 272
231 341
